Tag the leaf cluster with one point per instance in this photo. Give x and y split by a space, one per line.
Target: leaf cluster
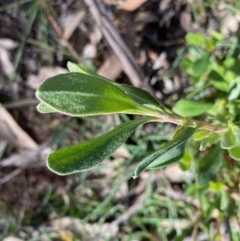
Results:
212 101
82 93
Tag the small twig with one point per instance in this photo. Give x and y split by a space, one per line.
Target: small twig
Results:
30 157
60 33
13 133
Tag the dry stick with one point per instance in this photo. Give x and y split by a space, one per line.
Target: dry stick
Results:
13 133
116 43
67 33
60 34
34 157
14 173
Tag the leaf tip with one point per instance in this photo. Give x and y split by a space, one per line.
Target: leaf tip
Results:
51 167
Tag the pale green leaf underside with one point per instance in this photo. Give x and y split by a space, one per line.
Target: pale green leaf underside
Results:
168 154
78 94
43 108
86 155
234 152
72 67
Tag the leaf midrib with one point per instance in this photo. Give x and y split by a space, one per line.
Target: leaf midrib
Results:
130 101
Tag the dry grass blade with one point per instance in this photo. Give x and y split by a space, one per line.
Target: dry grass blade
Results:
131 5
23 159
59 32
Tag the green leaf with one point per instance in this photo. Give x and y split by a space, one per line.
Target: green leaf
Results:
200 66
186 65
209 164
235 67
234 152
139 95
186 161
196 39
210 140
86 155
222 86
78 94
224 200
218 81
216 186
190 108
228 139
43 108
201 134
235 89
218 36
167 155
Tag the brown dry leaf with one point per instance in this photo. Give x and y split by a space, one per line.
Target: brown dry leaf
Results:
34 81
176 175
131 5
164 5
111 68
11 132
5 62
71 22
230 25
152 55
186 21
121 152
160 61
8 44
235 196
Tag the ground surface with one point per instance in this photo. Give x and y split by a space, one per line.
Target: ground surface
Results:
37 39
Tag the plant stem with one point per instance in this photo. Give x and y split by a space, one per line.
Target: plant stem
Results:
189 122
